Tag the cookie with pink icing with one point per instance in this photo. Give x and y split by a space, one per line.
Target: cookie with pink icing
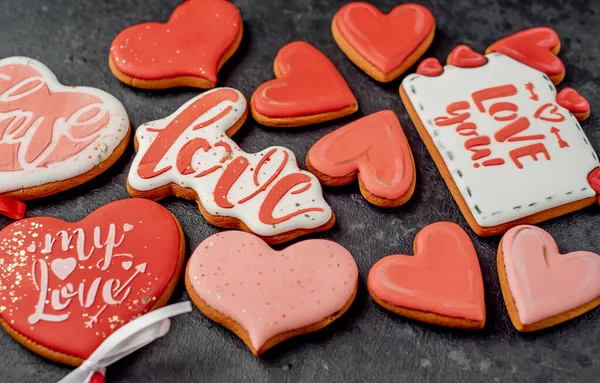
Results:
53 137
266 296
541 286
190 154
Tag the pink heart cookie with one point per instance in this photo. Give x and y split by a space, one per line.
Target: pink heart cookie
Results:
53 137
542 287
266 296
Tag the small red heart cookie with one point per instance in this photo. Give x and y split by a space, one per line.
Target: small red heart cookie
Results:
383 45
542 287
67 286
308 89
266 296
441 284
188 50
53 137
373 149
430 67
536 47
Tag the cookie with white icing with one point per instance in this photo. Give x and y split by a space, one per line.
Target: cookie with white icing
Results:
53 137
510 149
190 154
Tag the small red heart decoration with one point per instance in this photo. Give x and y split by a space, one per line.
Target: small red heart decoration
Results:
549 112
374 146
430 67
594 180
536 47
307 84
464 57
572 101
541 286
384 40
442 278
66 288
191 43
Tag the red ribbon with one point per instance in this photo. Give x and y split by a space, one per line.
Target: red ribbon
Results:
12 208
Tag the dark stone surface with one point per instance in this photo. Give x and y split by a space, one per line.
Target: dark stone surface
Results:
368 343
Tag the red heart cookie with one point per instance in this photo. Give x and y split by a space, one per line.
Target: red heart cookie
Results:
266 296
375 150
188 50
430 67
440 284
67 286
536 47
464 57
575 103
542 287
383 45
308 89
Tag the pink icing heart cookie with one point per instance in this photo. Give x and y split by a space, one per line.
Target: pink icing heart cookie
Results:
54 137
441 284
67 286
188 50
266 296
189 154
373 149
542 287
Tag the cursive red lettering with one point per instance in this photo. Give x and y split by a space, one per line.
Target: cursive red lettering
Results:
231 174
273 176
452 110
185 155
279 190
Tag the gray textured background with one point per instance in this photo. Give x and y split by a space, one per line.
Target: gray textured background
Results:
368 343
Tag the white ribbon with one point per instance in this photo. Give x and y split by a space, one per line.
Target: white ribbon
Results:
126 340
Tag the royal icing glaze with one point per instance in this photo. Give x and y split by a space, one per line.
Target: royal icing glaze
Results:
465 57
443 277
191 43
270 292
384 40
308 84
501 132
50 132
543 282
430 67
571 100
376 147
67 286
266 190
532 47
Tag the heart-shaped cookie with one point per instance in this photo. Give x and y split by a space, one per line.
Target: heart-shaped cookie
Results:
383 45
308 89
53 137
575 103
440 284
464 57
430 67
63 288
536 47
188 50
542 287
373 149
266 296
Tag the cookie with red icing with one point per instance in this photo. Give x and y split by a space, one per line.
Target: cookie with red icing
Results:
510 148
266 296
52 137
373 150
187 50
308 89
190 154
441 284
541 286
67 286
383 45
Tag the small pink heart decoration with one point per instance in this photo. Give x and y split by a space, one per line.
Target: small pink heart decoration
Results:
62 268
